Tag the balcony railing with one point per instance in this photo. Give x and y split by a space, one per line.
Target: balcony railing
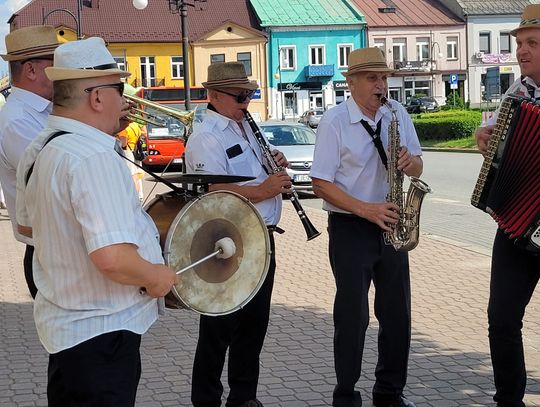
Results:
411 66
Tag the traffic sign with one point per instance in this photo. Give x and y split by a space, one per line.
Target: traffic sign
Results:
453 81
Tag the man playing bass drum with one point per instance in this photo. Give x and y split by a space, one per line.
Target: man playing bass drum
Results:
514 272
225 144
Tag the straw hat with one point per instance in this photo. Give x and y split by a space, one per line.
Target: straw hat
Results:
529 19
228 75
30 42
367 60
81 59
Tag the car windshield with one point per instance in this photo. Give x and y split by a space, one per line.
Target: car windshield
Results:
279 135
174 127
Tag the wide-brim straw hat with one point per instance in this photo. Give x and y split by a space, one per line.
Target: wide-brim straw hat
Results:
30 42
228 75
367 60
81 59
529 19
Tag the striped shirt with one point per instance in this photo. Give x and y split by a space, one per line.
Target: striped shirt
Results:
81 198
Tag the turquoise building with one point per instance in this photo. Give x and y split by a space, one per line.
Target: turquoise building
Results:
309 42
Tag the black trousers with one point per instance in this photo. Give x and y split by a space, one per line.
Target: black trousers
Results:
29 277
514 276
358 255
103 371
243 333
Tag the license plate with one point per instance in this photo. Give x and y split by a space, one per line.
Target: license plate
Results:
177 161
301 178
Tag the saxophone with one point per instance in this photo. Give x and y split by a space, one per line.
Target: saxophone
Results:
405 233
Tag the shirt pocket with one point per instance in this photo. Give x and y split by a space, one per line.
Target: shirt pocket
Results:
240 165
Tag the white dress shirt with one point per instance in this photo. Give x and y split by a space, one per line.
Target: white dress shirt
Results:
516 88
80 198
21 119
206 151
346 155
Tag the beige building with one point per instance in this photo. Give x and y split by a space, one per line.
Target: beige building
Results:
232 42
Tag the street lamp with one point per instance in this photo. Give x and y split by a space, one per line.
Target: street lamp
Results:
433 64
76 18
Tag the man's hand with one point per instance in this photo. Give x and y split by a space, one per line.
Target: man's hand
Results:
163 280
379 213
483 136
278 183
410 164
280 159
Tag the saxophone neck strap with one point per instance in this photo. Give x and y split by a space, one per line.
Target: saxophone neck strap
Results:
376 137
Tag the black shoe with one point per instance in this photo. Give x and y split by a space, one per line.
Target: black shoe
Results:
383 400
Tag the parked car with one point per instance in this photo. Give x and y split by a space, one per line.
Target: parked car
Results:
311 117
422 105
297 142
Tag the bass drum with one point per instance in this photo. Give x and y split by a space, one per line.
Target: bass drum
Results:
189 228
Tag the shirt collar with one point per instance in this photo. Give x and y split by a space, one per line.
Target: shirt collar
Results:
77 127
37 102
356 114
222 122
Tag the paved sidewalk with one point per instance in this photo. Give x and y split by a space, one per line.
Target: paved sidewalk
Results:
449 361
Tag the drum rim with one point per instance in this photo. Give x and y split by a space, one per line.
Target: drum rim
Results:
167 246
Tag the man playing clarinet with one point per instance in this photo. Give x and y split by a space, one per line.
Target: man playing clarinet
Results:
514 271
226 144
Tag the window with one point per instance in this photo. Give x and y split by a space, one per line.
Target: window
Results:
287 58
399 49
343 55
505 47
290 103
451 48
422 49
148 71
316 54
485 42
245 58
381 44
121 63
215 58
177 67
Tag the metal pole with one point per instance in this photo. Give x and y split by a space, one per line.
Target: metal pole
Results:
185 56
79 11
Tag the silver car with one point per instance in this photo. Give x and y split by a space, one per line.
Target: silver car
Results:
297 142
311 117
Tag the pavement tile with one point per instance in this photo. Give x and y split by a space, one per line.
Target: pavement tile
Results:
449 361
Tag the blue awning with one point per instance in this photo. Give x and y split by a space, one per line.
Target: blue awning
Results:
314 71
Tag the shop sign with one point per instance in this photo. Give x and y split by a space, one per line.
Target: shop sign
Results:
294 86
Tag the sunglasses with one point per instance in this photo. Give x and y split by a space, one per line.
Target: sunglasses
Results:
118 86
241 97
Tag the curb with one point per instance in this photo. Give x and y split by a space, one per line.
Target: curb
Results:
451 150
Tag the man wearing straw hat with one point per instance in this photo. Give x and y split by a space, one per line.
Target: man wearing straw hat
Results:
95 247
225 144
29 51
514 272
349 174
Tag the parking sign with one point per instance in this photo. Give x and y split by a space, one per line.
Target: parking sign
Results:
453 81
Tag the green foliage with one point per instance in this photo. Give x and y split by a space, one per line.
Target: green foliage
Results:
454 101
446 125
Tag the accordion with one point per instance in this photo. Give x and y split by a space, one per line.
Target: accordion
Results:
508 187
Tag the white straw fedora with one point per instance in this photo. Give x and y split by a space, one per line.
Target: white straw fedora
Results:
30 42
228 75
81 59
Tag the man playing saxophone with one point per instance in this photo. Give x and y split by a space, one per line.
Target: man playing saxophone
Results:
349 174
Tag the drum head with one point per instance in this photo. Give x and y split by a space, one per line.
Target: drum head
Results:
218 286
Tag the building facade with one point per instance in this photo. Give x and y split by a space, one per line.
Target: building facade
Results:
424 42
308 50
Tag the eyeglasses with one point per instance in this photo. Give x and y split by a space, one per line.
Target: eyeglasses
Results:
118 86
241 97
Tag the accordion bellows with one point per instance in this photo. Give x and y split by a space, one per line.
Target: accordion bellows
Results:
508 187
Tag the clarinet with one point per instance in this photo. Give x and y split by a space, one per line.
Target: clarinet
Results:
311 232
